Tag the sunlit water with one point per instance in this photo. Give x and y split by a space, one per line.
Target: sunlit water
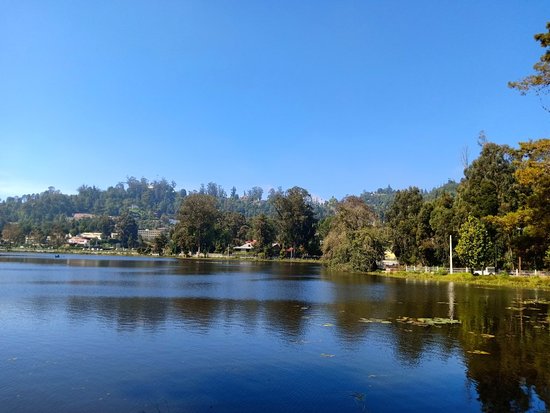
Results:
104 334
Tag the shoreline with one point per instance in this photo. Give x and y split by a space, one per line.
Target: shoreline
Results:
502 280
126 253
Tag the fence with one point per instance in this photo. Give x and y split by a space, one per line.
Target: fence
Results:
417 268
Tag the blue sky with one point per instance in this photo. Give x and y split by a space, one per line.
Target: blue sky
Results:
333 96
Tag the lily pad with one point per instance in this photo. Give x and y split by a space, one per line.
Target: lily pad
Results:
425 322
480 352
374 320
534 301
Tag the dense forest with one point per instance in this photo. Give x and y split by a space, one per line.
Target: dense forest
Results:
498 215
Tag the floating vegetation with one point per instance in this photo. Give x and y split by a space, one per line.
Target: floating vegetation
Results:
480 352
534 301
374 320
426 322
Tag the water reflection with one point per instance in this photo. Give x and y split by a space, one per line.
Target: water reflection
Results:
502 337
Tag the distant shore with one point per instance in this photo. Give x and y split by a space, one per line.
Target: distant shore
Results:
500 280
133 253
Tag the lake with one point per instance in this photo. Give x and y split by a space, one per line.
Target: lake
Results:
109 334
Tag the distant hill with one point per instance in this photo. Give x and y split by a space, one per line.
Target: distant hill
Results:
155 203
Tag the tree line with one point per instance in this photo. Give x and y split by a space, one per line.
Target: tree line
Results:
498 215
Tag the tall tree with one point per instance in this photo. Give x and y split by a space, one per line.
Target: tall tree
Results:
198 218
13 233
425 236
489 186
402 219
263 232
444 222
127 229
528 227
232 230
474 248
160 243
295 219
353 242
540 81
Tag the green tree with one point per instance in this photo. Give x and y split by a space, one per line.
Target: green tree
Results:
444 222
474 248
489 186
295 219
425 236
127 230
527 228
13 234
353 242
263 232
160 243
232 230
198 219
540 81
403 216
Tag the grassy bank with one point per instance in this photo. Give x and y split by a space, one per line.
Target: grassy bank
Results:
503 280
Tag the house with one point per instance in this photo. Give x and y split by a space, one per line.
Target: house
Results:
247 246
390 262
78 241
151 234
91 235
80 215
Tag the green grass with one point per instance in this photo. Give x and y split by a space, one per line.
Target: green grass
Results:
467 278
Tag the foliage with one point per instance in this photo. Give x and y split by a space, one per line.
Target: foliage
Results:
264 233
403 223
127 230
160 243
13 233
379 200
295 219
353 242
232 230
198 219
489 186
474 247
506 189
540 81
534 172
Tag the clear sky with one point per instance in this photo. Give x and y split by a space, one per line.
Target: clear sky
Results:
333 96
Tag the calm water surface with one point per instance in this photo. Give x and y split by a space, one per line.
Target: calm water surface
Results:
104 334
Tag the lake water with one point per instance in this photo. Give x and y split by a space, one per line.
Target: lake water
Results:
105 334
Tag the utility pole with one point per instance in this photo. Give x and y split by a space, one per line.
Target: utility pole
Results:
450 254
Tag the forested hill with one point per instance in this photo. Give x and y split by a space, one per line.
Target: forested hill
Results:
158 201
